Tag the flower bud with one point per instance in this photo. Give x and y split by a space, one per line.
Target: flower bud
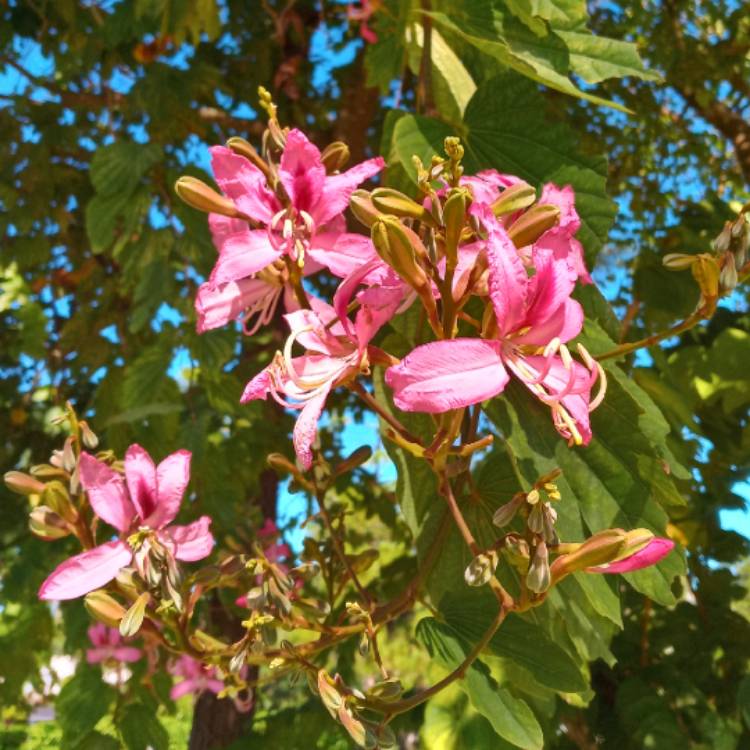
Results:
22 484
635 541
678 261
387 690
506 513
335 156
395 203
481 569
90 440
724 239
399 248
328 692
104 608
281 464
514 198
454 217
728 278
706 272
599 549
362 207
55 496
355 459
538 578
133 619
198 195
529 227
46 524
241 147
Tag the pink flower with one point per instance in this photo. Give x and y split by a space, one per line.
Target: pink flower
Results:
146 501
109 646
362 14
196 677
534 317
657 549
336 352
308 226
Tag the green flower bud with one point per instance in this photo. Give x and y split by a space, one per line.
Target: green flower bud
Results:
529 227
22 484
46 524
395 203
198 195
104 608
538 578
514 198
335 156
241 147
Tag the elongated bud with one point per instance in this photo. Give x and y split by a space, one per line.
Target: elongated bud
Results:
399 248
528 228
517 551
722 242
90 440
22 484
198 195
46 524
603 547
514 198
395 203
335 156
133 618
728 277
506 513
363 209
678 261
55 496
706 272
47 471
635 541
353 460
454 218
538 578
102 607
242 147
281 464
481 569
387 690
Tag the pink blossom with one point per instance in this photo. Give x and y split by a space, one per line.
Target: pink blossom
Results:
146 501
362 14
534 318
308 226
657 549
196 677
109 646
336 352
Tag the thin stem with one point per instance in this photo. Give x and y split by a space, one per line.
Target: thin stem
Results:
399 707
378 408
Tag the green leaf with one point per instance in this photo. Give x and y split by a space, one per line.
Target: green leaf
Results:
112 219
117 169
503 130
510 717
82 702
743 699
534 13
141 730
596 58
145 377
519 640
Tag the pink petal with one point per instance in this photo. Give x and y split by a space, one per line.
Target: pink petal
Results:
96 655
172 477
339 187
377 306
242 254
344 255
446 375
215 686
127 654
258 387
219 304
86 571
507 280
565 324
244 183
485 185
140 474
192 542
657 549
106 490
302 172
306 427
182 688
97 634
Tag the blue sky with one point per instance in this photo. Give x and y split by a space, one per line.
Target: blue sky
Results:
291 506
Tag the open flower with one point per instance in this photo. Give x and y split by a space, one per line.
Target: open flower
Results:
140 506
307 226
109 646
196 677
534 317
336 352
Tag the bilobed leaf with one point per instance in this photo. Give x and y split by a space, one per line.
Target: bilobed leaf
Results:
141 730
510 717
117 169
503 130
522 641
597 58
82 702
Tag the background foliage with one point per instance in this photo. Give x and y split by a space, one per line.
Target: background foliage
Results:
105 104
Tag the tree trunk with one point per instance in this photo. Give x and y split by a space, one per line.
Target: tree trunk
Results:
217 723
